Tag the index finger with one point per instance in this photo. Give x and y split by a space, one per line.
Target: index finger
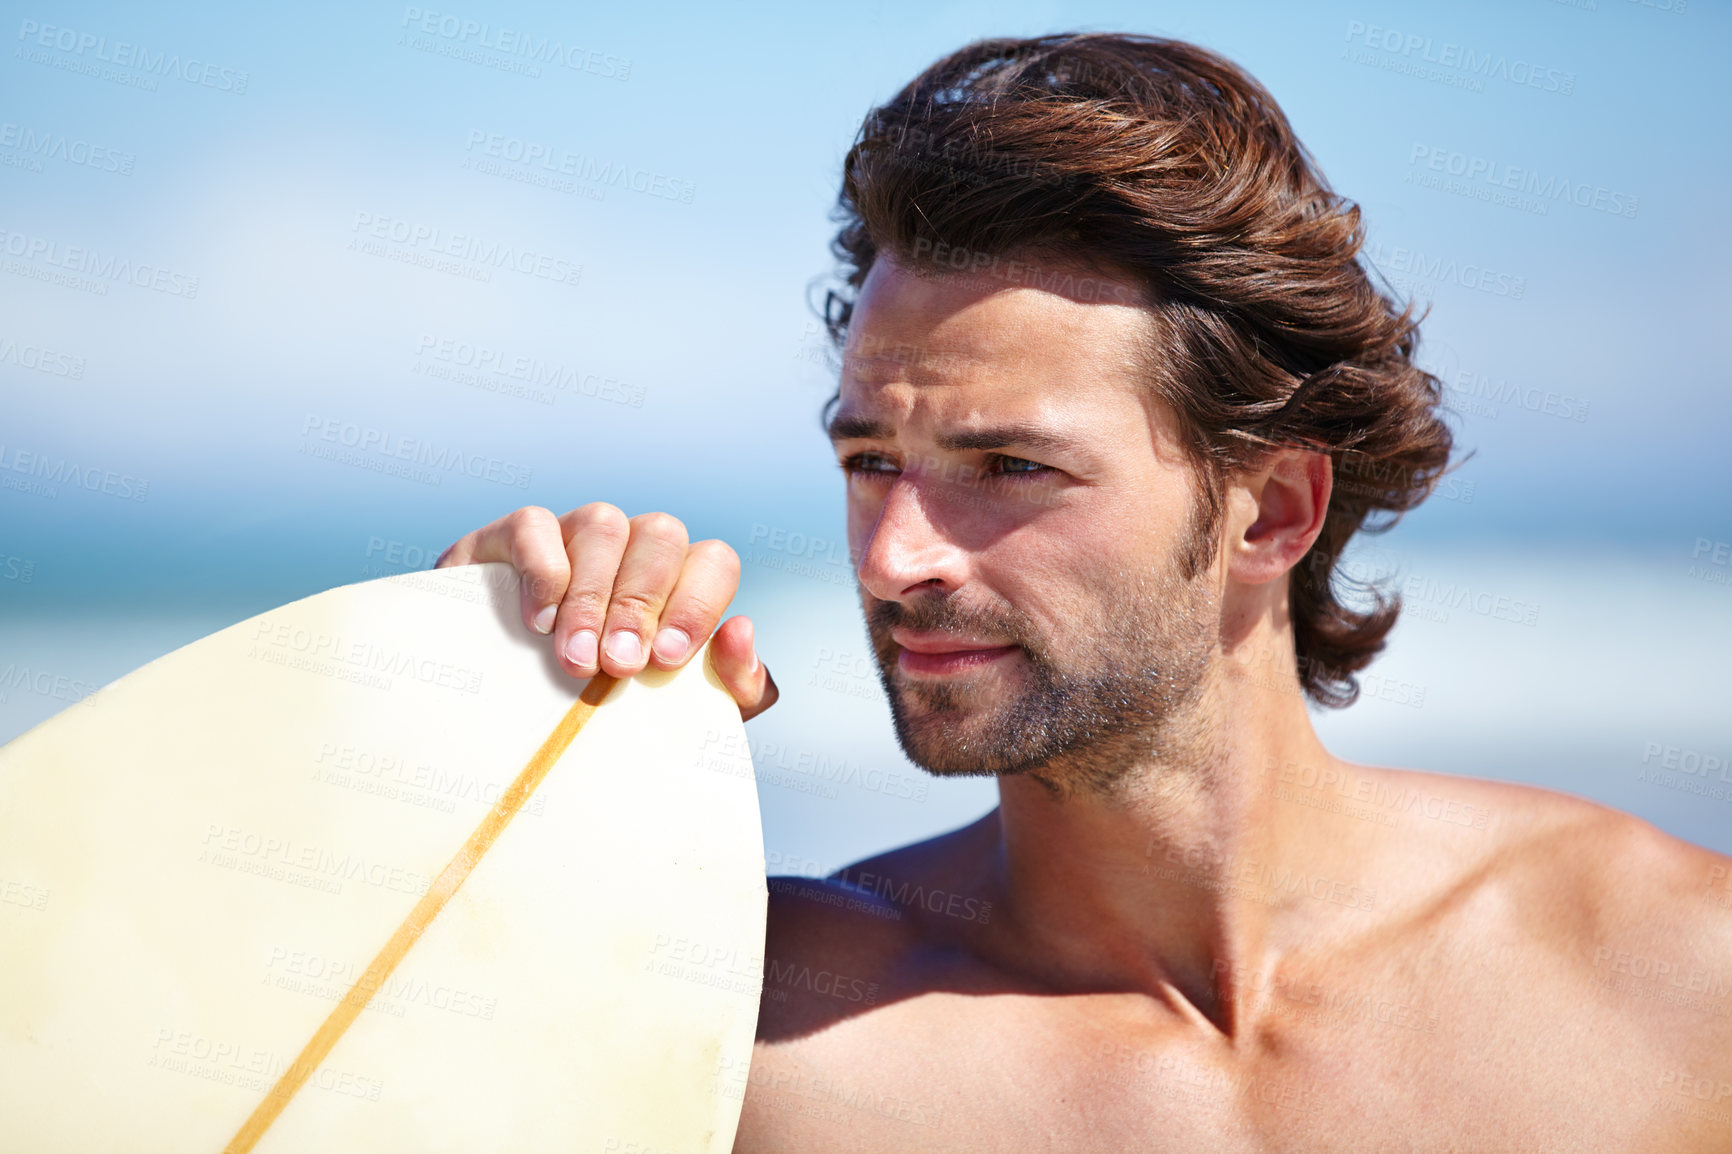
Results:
531 541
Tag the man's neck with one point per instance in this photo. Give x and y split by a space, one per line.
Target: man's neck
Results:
1175 883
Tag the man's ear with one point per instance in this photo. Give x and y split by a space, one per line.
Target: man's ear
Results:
1279 510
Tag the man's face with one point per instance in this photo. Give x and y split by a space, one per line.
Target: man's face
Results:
1017 504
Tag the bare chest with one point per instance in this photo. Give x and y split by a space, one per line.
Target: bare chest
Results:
1325 1073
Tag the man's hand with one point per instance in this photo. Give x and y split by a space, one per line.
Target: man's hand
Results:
620 595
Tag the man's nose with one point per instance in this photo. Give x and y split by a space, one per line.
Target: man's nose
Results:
905 550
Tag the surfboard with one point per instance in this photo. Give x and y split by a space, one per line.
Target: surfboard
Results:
368 873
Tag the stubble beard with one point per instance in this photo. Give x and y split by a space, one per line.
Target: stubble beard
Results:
1124 691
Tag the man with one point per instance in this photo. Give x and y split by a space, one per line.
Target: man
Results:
1115 395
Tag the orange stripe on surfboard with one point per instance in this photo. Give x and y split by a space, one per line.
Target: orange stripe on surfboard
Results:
318 1048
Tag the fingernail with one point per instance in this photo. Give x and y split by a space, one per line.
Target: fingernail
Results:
580 650
671 644
544 619
624 647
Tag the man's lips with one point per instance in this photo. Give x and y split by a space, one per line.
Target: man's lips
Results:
944 653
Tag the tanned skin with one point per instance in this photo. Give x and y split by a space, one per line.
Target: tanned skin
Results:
1199 930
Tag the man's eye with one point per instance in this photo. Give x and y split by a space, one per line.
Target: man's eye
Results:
868 463
1017 465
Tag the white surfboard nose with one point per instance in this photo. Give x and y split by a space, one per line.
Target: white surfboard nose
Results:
225 848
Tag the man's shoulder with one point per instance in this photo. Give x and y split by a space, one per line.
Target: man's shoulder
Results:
1590 862
1607 901
887 900
1596 862
1626 886
853 929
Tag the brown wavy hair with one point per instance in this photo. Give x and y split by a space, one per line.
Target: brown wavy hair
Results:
1170 167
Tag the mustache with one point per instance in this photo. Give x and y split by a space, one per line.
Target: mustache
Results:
941 614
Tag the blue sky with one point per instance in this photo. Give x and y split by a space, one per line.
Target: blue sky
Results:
698 310
328 175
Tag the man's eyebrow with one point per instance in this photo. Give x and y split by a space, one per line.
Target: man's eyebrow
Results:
856 426
859 426
1023 436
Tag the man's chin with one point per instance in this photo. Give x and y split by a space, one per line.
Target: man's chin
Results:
971 724
952 762
954 741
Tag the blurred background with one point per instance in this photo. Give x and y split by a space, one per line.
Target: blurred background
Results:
264 269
